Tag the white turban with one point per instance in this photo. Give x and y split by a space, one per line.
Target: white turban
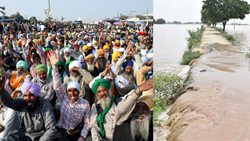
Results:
89 45
67 49
74 64
73 84
58 34
121 50
108 76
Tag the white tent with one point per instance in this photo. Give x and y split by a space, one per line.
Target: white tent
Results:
80 19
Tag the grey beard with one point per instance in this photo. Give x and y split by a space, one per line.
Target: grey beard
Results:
106 55
75 78
19 74
67 58
104 103
77 53
90 67
129 77
101 62
96 47
140 128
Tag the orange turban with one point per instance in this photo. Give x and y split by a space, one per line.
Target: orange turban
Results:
129 37
116 42
19 42
100 51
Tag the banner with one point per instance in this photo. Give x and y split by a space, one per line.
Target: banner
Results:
48 13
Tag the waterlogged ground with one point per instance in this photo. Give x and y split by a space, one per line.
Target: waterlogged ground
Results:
218 106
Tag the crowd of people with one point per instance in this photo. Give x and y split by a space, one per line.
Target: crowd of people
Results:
77 82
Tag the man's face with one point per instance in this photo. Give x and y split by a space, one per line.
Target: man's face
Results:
141 108
100 56
20 70
76 49
19 44
116 58
128 69
89 61
42 75
67 54
86 50
95 44
129 56
36 60
73 94
29 99
66 42
102 92
117 44
74 73
106 50
60 68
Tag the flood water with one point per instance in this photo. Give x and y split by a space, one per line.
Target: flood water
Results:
218 106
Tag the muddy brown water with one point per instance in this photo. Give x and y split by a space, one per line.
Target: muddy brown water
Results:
218 106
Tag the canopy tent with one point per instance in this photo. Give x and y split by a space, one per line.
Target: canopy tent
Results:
80 20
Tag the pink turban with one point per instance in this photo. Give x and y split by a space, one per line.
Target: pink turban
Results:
34 88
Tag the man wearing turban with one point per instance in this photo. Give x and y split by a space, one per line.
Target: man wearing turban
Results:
115 57
18 47
134 115
101 60
34 59
108 53
81 76
67 56
90 67
103 111
17 78
74 110
38 120
76 53
46 84
61 69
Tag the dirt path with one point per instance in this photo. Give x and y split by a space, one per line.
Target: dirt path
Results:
218 106
211 36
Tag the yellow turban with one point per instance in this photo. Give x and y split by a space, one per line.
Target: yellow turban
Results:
92 57
34 40
4 37
85 47
147 97
100 51
115 54
94 42
40 40
106 46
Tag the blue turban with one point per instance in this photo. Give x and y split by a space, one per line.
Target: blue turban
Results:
23 64
127 63
49 46
8 60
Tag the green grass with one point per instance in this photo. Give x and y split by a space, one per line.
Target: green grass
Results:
225 34
188 56
167 87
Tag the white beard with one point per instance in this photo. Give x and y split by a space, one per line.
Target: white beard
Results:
106 55
19 74
90 67
67 58
75 78
129 77
140 128
96 47
104 103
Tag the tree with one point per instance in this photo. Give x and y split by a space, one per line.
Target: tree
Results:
16 16
154 21
140 17
160 21
214 11
123 17
33 19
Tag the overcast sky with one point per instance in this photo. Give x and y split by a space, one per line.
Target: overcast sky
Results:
183 10
89 10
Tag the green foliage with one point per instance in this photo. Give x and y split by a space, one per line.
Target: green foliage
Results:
123 17
188 56
192 42
214 11
247 54
160 21
158 108
16 16
229 37
166 85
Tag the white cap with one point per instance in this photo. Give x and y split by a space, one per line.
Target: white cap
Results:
73 84
67 49
89 44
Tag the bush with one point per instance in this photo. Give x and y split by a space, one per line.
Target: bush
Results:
166 85
192 43
158 108
188 56
229 37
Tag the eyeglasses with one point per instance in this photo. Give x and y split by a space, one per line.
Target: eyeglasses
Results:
137 108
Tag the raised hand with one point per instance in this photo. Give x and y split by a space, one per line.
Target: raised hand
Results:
53 58
96 64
